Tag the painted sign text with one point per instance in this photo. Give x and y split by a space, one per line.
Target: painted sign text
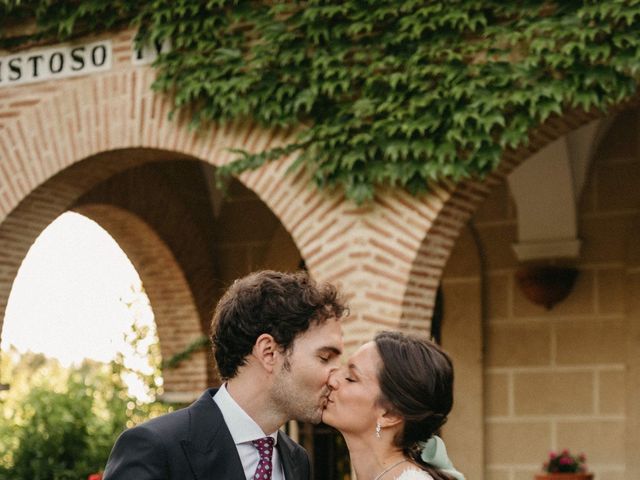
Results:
56 62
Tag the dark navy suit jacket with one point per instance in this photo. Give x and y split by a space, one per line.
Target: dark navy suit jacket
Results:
191 444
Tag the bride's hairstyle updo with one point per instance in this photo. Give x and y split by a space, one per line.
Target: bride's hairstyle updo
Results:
416 382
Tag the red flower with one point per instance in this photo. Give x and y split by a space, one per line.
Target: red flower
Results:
95 476
565 462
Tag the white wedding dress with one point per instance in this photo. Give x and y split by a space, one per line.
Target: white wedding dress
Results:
413 474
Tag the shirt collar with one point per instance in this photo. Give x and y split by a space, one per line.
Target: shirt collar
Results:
242 427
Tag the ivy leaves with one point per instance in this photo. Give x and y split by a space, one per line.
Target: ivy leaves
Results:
406 94
398 94
63 20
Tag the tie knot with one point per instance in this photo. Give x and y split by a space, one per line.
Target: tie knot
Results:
264 446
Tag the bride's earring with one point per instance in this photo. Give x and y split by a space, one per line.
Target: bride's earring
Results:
378 430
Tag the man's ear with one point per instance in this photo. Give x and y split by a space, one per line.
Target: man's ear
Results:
265 351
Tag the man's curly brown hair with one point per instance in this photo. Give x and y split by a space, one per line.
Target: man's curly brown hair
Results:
283 305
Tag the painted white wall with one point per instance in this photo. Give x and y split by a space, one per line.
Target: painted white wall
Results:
546 189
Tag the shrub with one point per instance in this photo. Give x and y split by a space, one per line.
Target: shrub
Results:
61 435
63 428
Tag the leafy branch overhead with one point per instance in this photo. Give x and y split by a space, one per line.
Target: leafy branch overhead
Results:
391 93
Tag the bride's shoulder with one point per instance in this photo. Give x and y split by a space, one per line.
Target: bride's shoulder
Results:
413 474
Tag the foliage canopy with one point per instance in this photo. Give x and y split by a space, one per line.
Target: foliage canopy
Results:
380 92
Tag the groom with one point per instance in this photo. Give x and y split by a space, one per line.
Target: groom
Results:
276 339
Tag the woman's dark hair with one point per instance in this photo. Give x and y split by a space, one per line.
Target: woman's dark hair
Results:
416 382
283 305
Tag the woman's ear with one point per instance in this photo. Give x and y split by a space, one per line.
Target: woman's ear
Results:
265 351
389 419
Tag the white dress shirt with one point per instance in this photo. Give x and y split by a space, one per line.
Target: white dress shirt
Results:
243 431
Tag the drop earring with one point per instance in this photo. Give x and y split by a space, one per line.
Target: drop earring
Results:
378 430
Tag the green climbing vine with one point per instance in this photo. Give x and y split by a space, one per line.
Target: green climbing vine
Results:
389 93
199 344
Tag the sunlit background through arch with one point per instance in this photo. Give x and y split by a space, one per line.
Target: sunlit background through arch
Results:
74 297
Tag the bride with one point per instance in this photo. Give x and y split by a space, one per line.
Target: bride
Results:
388 401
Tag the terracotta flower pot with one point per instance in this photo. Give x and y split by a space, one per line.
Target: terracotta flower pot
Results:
564 476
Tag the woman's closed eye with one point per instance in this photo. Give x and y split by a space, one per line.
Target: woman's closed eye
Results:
350 380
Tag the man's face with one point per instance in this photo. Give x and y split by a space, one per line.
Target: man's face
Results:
300 387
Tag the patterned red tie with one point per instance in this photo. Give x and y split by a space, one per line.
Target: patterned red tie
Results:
265 449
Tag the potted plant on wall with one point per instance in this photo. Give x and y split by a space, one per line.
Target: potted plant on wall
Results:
565 466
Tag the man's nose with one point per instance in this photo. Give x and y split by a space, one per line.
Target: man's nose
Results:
333 382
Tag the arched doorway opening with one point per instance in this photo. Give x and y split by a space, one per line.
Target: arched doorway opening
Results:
76 296
187 241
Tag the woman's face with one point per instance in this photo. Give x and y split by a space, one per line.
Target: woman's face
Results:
352 406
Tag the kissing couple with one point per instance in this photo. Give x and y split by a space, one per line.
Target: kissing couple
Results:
277 341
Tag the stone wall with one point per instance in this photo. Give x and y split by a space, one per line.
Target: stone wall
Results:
559 378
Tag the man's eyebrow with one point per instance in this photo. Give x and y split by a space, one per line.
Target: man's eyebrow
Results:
329 349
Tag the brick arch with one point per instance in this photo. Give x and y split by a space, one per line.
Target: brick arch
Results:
459 203
173 305
69 135
45 203
387 257
83 118
57 127
73 189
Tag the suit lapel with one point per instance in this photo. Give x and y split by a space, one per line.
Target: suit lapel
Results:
290 462
210 449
